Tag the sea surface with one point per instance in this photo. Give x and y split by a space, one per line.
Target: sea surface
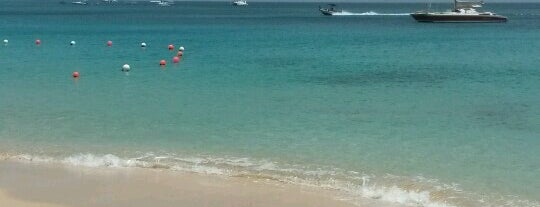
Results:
370 103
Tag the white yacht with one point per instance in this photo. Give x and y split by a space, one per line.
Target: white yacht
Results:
240 3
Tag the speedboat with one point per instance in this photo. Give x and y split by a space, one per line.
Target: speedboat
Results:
464 11
331 10
240 3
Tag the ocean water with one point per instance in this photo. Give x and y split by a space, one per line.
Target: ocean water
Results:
370 103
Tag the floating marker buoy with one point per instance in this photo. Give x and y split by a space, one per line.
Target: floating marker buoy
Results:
143 44
162 62
72 43
125 67
176 59
179 54
75 74
6 41
38 42
171 47
181 49
109 43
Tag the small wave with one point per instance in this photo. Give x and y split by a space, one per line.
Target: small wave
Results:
370 13
352 185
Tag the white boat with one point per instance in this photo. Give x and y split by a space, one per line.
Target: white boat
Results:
162 3
240 3
109 1
79 2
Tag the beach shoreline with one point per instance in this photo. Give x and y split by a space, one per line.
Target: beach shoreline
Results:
54 185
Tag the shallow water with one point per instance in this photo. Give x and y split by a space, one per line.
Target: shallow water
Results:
360 103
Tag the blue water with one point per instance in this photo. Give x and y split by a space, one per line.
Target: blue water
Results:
366 104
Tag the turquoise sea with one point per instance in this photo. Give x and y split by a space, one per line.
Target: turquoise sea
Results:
373 104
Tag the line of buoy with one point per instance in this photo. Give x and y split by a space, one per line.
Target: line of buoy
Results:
109 43
125 67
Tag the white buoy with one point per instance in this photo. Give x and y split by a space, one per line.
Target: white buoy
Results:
143 44
6 41
126 68
72 43
181 49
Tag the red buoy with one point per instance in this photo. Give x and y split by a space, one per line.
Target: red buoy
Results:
176 59
75 74
171 47
179 54
38 42
109 43
162 62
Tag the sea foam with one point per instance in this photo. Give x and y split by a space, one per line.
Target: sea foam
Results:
350 185
370 13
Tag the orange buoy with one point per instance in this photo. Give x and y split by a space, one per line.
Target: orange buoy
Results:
109 43
179 54
75 74
171 47
176 59
162 62
38 42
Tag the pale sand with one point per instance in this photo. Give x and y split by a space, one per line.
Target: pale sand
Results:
8 201
50 185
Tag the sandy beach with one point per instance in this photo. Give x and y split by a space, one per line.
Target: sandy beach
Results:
52 185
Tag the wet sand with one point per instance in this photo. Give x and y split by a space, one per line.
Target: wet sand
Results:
55 185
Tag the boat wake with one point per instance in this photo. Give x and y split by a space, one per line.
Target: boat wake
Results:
370 13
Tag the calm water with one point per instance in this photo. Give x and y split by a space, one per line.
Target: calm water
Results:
377 106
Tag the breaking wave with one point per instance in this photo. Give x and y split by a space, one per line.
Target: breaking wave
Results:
357 187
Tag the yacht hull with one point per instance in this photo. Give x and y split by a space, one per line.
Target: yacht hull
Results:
461 18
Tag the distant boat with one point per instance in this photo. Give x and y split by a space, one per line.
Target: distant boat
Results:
79 2
109 1
240 3
331 10
464 11
162 3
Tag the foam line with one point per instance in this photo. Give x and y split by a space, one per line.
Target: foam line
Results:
370 13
